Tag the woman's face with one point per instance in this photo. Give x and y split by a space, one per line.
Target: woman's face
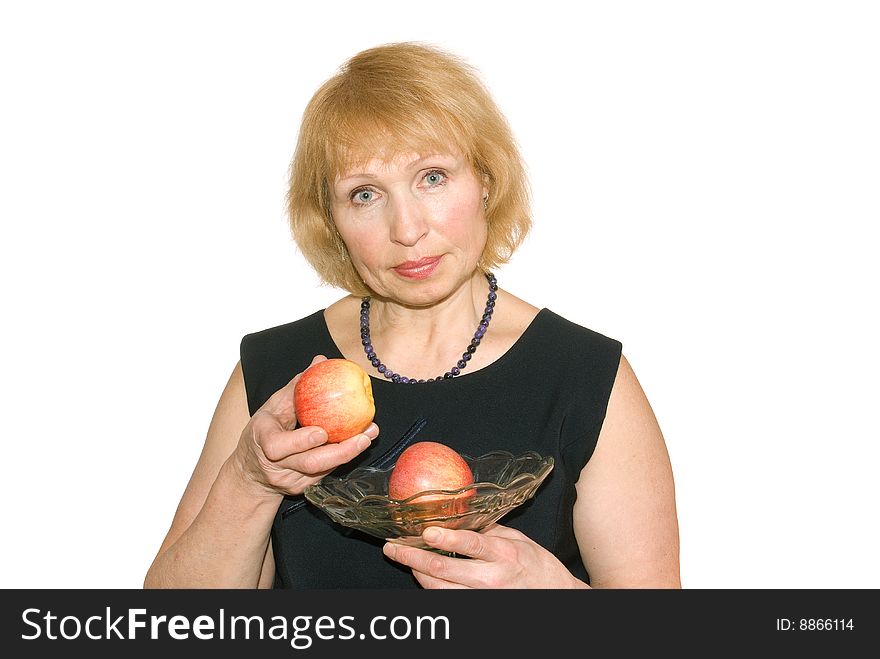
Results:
414 225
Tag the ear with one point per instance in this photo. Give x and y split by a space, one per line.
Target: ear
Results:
484 191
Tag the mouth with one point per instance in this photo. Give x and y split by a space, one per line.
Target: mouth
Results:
418 269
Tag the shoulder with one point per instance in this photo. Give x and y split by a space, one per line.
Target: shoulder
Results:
630 419
558 342
268 335
562 327
341 319
272 342
580 351
517 318
553 348
544 321
270 357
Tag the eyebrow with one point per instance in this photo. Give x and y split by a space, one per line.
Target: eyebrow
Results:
357 175
411 165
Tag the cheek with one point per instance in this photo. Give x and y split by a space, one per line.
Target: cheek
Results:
359 236
464 221
362 249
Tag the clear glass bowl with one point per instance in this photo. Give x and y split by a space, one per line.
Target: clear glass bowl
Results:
502 481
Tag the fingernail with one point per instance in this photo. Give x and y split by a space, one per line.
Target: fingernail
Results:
432 534
372 431
390 549
318 437
363 442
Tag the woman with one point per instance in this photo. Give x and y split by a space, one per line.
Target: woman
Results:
407 190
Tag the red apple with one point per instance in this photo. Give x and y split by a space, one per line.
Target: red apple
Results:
431 466
336 395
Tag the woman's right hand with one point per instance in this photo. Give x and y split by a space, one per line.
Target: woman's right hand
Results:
279 458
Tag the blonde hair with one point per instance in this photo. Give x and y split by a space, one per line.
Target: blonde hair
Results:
401 97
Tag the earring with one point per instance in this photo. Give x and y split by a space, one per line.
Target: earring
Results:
486 201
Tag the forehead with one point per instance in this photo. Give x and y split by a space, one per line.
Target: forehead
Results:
356 141
389 161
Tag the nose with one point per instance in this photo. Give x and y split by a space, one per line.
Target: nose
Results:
408 221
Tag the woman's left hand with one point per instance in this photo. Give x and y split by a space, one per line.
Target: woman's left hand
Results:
499 557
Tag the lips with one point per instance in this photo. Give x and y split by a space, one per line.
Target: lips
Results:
418 269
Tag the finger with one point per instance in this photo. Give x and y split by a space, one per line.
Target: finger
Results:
500 531
371 431
464 543
326 457
427 581
279 444
420 560
434 565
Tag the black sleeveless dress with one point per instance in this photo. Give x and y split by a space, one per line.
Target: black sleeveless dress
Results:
547 393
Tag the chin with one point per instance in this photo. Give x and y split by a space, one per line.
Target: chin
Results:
424 294
443 282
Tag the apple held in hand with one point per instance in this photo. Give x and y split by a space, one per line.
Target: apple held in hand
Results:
336 395
432 466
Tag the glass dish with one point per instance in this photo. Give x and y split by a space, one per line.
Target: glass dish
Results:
502 481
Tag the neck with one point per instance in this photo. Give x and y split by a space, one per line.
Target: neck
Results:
463 307
424 342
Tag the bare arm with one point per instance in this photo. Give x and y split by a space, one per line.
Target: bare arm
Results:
220 532
220 535
625 516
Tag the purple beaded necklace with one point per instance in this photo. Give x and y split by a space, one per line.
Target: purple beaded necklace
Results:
452 372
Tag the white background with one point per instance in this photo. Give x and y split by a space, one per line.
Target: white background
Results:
705 181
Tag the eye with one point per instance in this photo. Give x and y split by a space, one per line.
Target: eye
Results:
362 196
435 177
